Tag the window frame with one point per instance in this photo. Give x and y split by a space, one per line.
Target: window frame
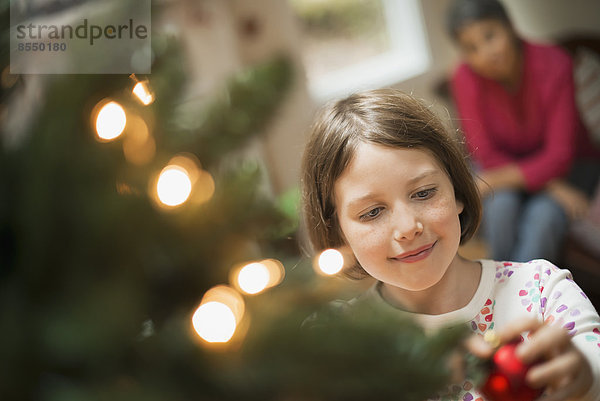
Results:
408 56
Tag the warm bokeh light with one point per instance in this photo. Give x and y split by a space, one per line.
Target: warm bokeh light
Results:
228 296
189 162
110 121
182 180
214 322
253 278
141 91
174 186
138 145
331 261
219 314
204 187
276 271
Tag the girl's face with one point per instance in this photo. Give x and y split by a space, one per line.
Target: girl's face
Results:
397 211
490 48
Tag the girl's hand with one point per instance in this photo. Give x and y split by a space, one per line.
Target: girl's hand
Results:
559 367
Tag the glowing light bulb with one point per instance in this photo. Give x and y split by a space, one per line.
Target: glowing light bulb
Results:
138 145
205 187
218 317
214 322
331 261
253 278
276 271
174 186
140 90
111 121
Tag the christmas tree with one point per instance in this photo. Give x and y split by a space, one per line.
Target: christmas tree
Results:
125 223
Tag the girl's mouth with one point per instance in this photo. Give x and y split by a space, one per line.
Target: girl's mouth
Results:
416 254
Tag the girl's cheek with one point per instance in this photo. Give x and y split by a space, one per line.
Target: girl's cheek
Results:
374 242
364 236
443 210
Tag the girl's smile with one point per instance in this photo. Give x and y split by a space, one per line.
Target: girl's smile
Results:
415 255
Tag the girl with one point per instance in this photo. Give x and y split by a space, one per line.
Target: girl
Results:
516 101
382 177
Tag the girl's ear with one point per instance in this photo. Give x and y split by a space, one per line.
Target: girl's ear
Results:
459 207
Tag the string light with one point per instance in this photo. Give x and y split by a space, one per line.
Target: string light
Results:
138 145
188 162
276 271
205 187
174 186
182 180
214 322
141 91
219 314
330 261
110 120
254 278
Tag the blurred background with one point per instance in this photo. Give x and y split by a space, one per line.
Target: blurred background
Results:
343 46
103 271
341 43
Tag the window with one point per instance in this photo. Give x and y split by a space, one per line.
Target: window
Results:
350 45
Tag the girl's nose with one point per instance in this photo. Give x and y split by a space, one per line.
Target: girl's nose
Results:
407 226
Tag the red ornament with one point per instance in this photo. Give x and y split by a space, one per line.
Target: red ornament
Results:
506 381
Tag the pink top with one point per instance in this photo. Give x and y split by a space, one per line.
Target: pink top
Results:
537 127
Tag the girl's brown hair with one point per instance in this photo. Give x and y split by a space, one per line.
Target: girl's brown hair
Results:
386 117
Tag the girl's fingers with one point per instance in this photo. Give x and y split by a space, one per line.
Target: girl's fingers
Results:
578 387
479 347
561 394
561 368
515 328
566 365
476 345
546 341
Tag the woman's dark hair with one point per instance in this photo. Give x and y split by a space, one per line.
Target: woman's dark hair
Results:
462 12
385 117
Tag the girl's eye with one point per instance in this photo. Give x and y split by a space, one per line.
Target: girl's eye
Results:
425 194
371 214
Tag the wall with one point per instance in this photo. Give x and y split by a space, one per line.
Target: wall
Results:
547 19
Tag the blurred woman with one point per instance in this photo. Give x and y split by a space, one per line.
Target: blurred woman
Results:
516 104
